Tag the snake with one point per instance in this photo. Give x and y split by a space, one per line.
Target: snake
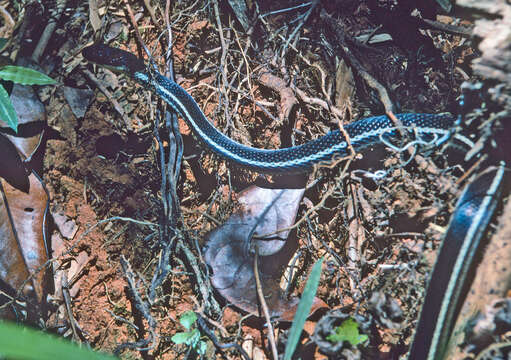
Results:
470 218
433 129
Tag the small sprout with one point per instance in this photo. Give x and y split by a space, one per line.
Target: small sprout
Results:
192 336
347 331
187 319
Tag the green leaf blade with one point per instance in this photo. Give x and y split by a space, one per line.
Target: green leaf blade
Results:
18 342
7 112
25 76
181 338
304 307
187 319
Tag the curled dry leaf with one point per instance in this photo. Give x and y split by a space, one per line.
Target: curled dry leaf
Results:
262 211
23 250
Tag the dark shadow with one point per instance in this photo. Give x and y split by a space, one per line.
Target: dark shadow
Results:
12 168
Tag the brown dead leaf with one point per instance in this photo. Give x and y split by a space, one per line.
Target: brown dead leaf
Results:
23 249
263 211
31 118
344 88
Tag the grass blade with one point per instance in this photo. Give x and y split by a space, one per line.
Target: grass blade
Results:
18 342
303 309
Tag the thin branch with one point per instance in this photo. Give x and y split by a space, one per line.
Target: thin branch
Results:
264 306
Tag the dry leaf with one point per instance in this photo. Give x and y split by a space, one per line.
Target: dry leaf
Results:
263 211
23 250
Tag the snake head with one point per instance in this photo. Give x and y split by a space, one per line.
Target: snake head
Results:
113 58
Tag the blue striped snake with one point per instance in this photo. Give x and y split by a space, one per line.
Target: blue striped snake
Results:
468 222
433 129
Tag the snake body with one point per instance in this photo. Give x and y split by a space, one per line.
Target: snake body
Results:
467 227
431 128
471 216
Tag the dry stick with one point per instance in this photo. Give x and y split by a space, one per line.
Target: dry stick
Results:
448 28
471 169
110 97
209 333
354 234
297 29
248 76
149 8
143 309
135 28
223 65
202 284
266 312
384 98
67 300
316 101
121 319
175 139
48 31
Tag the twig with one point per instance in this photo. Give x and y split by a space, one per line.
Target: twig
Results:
48 31
356 235
316 101
110 97
448 28
297 29
152 14
201 281
260 295
143 310
135 29
213 338
67 301
223 64
341 44
285 10
287 98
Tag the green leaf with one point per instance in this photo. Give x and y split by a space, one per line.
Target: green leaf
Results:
187 319
18 342
194 338
347 331
7 112
25 76
181 337
303 309
201 349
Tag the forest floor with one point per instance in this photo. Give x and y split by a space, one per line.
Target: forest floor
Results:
135 198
